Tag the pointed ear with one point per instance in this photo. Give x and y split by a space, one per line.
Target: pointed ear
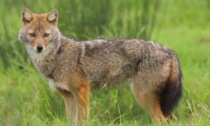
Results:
52 17
26 16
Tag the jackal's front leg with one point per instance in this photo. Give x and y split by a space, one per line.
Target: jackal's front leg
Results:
77 105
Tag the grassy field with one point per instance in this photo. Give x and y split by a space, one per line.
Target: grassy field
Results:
183 25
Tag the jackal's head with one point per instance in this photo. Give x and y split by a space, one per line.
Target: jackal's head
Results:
39 32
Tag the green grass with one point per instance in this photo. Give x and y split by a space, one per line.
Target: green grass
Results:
27 100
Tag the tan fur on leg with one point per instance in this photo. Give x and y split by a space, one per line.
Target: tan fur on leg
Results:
150 102
77 105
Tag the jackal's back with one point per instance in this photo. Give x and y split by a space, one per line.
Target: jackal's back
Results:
113 61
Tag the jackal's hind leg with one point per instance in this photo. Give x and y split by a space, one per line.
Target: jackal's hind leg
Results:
150 102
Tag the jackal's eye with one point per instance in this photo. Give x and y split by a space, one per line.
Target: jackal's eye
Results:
46 34
32 34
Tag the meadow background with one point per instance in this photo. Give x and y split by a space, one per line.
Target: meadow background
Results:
183 25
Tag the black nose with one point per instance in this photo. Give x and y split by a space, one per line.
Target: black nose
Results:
39 48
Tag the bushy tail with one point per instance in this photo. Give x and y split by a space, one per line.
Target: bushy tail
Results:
172 92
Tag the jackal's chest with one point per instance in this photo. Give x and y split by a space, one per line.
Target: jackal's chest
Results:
57 85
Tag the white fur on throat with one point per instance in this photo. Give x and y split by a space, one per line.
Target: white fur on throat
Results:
37 58
54 85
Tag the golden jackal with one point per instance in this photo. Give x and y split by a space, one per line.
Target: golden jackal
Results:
74 67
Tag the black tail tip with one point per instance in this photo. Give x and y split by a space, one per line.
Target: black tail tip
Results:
170 96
